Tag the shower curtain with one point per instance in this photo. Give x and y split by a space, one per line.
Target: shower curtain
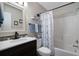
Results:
47 30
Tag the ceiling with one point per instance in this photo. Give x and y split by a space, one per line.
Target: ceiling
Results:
52 5
72 8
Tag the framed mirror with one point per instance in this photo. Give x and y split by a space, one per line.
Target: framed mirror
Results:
13 17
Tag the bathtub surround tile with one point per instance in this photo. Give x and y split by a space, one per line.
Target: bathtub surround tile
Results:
67 30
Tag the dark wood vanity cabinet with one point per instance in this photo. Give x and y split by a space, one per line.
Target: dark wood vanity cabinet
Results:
26 49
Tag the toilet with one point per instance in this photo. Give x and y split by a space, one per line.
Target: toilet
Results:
42 51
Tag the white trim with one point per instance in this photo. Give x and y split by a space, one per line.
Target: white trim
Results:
15 5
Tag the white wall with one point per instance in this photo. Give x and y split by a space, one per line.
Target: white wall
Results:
67 30
33 9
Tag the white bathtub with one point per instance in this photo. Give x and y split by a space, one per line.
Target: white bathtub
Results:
61 52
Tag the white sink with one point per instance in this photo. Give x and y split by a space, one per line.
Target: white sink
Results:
11 43
23 39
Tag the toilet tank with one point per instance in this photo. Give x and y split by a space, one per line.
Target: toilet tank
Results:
38 43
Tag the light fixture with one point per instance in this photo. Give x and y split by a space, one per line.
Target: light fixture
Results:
22 3
25 3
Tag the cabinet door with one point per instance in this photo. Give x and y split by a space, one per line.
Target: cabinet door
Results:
26 49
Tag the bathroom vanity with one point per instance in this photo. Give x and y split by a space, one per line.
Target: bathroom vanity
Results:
20 47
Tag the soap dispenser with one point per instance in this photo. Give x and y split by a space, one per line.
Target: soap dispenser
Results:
16 35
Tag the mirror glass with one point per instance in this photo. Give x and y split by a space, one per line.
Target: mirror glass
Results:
13 18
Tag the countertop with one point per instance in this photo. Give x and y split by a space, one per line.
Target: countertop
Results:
11 43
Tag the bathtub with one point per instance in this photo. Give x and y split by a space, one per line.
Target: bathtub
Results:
61 52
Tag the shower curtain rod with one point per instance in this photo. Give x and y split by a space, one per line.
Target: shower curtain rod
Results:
58 7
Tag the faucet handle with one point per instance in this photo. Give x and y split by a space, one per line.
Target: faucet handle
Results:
75 46
77 41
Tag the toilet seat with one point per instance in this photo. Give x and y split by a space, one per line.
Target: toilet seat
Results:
44 51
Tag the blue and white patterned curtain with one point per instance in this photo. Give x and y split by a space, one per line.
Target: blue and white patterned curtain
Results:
47 29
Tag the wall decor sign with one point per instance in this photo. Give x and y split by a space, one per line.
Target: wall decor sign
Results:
15 22
20 21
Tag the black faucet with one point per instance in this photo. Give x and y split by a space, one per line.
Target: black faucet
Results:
16 36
